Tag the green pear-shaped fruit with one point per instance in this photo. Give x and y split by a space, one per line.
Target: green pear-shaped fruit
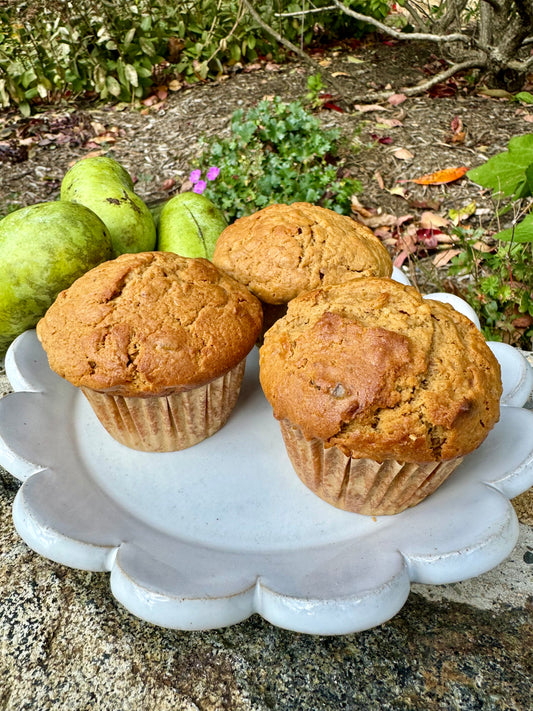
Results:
190 224
104 186
43 249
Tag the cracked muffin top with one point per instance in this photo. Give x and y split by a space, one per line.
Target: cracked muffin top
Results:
372 367
149 323
282 250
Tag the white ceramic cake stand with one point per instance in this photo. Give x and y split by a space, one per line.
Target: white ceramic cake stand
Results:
206 537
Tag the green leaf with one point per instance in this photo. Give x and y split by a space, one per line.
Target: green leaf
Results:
522 232
130 34
529 180
131 74
146 46
505 173
525 97
113 86
25 109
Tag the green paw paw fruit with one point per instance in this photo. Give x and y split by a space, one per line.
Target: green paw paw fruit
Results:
104 186
43 249
189 224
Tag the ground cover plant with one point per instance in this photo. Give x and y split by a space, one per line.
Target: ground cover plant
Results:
276 152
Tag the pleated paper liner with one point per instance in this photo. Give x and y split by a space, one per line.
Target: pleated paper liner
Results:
362 485
169 423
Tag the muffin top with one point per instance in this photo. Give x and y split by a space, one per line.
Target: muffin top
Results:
372 367
149 323
282 250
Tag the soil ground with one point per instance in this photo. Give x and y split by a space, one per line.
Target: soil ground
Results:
454 126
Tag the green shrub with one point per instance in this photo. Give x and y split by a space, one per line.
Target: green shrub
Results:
500 287
119 49
277 152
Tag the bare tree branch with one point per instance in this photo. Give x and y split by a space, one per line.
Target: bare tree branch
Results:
456 37
309 11
477 63
494 4
522 67
419 15
293 48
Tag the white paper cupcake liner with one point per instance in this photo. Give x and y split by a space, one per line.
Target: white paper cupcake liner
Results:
362 485
168 423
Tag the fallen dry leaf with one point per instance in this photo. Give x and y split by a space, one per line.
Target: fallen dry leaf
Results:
482 246
168 184
447 175
423 204
524 321
432 220
429 238
389 123
442 258
463 213
400 259
528 118
365 108
385 140
379 179
379 220
103 138
98 127
398 190
495 93
445 238
456 124
396 99
402 154
358 208
403 218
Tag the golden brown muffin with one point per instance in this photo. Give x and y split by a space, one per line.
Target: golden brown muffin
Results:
379 392
157 342
283 250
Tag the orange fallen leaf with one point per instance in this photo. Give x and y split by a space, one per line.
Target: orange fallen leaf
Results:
448 175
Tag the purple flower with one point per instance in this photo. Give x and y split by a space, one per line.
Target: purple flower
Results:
213 172
195 176
199 187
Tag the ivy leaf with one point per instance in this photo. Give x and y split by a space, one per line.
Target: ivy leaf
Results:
505 173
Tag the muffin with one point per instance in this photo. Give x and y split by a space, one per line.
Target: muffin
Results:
283 250
157 343
380 393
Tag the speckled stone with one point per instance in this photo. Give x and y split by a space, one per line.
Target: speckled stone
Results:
66 643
